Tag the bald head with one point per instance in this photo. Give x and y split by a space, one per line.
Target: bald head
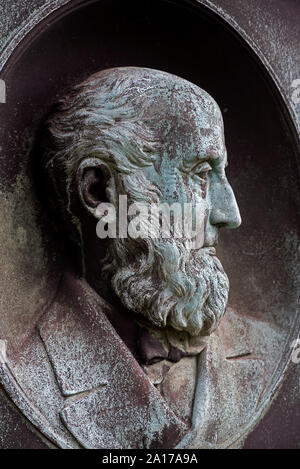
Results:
126 118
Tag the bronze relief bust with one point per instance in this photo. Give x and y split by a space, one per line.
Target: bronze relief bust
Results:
137 347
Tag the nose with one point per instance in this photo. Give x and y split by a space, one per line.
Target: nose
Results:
224 209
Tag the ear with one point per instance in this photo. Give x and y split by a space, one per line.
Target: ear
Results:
92 178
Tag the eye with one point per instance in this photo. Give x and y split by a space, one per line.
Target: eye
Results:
202 170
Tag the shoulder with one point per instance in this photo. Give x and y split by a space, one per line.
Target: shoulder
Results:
243 335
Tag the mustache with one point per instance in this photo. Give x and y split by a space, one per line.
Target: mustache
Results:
168 284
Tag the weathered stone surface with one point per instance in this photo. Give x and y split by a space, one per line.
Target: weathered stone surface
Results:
32 352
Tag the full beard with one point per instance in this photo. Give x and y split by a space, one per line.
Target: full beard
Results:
169 284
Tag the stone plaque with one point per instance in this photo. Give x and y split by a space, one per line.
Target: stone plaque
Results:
121 232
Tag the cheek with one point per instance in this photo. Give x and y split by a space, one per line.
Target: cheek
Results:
184 188
200 201
191 191
197 188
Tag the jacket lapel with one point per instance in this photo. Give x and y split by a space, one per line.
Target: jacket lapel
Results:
231 382
110 402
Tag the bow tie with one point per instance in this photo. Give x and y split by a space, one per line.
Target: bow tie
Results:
156 345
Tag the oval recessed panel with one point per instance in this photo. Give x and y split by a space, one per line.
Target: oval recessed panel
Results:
261 258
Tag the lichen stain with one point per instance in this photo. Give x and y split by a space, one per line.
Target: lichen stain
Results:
23 263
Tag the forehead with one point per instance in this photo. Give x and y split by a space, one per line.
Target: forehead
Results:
189 122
